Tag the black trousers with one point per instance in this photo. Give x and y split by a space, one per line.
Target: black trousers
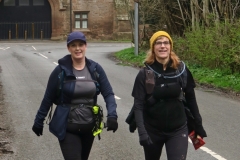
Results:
77 146
176 144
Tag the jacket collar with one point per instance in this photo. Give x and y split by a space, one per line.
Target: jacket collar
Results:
66 64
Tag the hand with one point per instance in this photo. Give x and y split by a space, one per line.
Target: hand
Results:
145 139
37 131
112 124
199 130
132 126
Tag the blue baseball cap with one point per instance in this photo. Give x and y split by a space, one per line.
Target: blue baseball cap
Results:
76 35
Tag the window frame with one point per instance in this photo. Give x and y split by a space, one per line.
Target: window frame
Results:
43 4
80 19
4 4
19 3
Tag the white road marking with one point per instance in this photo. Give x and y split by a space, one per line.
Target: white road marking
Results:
5 48
205 149
117 97
55 63
215 155
34 48
43 55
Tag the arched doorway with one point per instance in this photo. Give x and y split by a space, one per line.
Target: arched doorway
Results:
25 19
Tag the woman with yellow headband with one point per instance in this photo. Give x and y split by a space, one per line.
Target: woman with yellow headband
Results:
160 116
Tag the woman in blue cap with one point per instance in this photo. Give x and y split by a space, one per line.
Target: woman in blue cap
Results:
84 79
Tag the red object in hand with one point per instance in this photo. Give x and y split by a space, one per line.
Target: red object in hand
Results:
197 141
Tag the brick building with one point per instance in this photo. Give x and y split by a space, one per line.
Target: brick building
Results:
54 19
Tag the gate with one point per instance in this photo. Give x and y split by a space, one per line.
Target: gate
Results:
25 30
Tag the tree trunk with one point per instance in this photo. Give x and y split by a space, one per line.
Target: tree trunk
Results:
182 14
206 11
193 14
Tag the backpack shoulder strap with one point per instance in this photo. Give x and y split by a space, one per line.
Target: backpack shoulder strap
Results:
183 77
61 77
96 76
149 81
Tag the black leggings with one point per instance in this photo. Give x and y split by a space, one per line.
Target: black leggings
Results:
77 146
176 144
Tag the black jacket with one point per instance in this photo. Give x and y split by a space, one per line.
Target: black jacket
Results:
168 113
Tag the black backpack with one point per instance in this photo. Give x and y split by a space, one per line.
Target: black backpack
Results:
150 75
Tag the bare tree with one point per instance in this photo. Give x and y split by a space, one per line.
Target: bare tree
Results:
206 12
234 8
175 16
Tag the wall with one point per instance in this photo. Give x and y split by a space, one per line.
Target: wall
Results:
105 20
100 17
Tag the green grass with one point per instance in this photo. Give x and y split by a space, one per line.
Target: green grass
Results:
216 78
128 57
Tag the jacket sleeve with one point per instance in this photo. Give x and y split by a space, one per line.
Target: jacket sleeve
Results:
139 94
107 93
49 97
191 98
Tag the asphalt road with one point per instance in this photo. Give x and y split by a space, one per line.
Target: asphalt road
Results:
25 68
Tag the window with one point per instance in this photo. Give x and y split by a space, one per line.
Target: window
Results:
23 2
38 2
9 3
81 20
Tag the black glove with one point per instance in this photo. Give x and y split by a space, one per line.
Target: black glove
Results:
37 131
112 124
145 139
199 130
132 126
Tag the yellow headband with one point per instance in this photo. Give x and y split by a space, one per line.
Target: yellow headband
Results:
158 34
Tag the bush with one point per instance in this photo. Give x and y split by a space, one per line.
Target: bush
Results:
213 47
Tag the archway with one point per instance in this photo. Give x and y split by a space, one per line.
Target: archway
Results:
57 18
30 19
